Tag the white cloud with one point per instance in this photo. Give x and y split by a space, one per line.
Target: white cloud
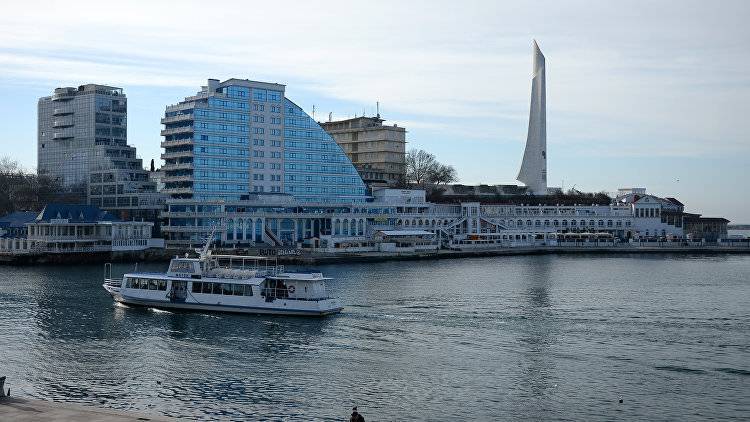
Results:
656 74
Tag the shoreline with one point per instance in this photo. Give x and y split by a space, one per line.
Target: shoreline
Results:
28 409
304 258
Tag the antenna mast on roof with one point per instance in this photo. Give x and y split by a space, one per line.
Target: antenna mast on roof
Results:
330 116
377 109
313 116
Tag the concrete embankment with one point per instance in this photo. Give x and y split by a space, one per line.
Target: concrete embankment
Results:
318 258
28 410
147 255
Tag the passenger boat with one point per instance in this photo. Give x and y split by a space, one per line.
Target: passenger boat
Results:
225 283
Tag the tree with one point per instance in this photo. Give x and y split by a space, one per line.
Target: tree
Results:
419 165
21 191
422 168
443 174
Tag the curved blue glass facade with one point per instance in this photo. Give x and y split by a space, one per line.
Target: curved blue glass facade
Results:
316 168
239 136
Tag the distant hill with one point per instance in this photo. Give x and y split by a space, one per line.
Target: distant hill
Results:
738 227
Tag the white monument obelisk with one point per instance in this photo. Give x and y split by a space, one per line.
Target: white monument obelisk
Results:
534 166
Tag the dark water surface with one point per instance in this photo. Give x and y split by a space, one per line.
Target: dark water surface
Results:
532 338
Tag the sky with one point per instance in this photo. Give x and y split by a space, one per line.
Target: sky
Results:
639 93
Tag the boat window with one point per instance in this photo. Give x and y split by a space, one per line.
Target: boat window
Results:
152 284
197 287
248 290
238 289
144 284
127 283
181 267
162 285
217 288
226 289
207 288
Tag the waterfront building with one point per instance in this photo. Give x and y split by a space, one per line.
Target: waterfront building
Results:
378 151
242 137
653 216
66 228
279 220
533 171
710 229
13 225
82 143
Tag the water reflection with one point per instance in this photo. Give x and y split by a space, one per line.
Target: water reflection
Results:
506 338
539 328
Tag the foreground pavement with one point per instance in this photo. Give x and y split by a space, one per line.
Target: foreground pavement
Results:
20 409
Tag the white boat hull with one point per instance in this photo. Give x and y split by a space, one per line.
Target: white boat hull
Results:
277 307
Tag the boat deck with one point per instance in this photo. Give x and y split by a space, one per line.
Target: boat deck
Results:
21 409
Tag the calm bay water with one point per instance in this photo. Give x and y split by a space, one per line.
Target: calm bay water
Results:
532 338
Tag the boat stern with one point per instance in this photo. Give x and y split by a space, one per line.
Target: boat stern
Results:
330 306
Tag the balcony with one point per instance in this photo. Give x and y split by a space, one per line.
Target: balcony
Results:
185 178
185 106
179 154
62 111
177 143
177 191
64 94
63 122
176 130
177 118
177 166
63 134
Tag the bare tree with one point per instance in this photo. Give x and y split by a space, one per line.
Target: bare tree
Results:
25 191
419 165
422 168
443 174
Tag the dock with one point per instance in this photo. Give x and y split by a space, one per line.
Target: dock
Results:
30 410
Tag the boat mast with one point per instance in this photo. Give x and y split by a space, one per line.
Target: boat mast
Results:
205 251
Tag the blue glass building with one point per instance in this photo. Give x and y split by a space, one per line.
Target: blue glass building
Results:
239 136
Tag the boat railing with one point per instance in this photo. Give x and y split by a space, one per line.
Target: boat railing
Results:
266 265
108 280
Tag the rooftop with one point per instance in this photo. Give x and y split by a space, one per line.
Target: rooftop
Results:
74 214
18 218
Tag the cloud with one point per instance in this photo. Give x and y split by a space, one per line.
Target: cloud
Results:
652 74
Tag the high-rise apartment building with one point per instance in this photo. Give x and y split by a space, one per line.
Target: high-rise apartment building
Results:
377 151
239 136
82 143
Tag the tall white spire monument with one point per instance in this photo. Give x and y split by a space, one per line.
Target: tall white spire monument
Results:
534 166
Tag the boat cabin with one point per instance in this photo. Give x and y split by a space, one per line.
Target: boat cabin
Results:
185 268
